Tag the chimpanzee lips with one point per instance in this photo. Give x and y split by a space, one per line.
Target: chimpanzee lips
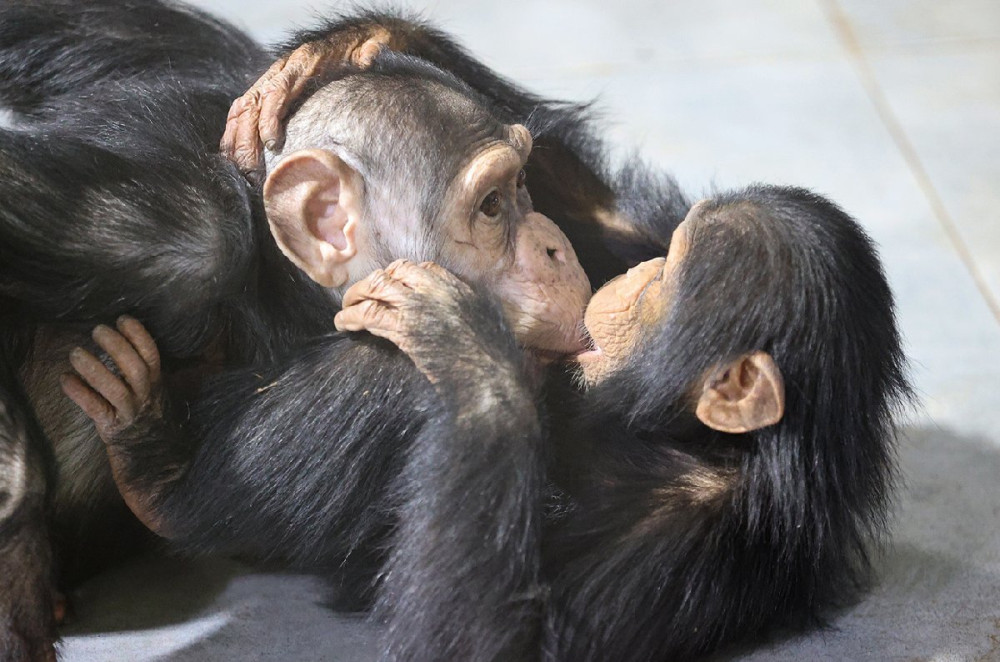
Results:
589 353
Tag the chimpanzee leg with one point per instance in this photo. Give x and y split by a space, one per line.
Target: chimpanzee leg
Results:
27 622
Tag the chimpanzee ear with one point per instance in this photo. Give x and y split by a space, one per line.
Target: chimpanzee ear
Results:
748 394
313 204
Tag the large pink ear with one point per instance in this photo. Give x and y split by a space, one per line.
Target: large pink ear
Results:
313 204
748 394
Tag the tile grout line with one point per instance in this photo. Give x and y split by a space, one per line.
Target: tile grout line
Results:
849 40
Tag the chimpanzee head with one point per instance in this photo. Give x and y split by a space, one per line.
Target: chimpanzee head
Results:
771 310
402 160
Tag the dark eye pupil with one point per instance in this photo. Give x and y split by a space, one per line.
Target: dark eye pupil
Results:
521 176
491 204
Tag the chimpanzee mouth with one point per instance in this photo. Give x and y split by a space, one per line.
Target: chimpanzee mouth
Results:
588 354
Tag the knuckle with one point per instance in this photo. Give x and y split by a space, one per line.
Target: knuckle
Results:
245 154
397 265
251 100
236 109
378 279
275 86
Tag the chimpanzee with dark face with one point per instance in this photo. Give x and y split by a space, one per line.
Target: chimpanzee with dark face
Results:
113 200
724 470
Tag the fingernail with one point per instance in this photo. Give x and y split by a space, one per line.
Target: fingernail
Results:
271 145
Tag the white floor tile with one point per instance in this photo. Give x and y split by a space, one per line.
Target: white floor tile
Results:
889 24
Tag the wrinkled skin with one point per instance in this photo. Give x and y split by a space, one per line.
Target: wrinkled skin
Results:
255 120
638 299
391 304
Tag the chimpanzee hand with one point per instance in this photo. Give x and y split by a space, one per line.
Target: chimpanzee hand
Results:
117 403
129 413
424 310
255 119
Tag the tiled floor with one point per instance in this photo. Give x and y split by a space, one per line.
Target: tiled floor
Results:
892 108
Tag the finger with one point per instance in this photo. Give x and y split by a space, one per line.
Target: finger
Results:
137 334
93 405
354 318
130 364
102 380
359 291
437 270
247 146
373 286
372 316
406 273
382 285
422 277
443 277
256 97
275 99
367 52
350 319
396 265
228 143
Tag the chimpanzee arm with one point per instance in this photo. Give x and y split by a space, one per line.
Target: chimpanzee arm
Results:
461 582
288 461
613 220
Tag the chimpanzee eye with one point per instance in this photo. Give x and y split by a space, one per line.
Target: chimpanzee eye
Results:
521 177
491 204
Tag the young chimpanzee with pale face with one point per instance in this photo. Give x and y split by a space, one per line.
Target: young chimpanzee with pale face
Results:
724 471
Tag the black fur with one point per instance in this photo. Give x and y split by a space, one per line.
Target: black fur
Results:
113 199
487 532
652 537
675 571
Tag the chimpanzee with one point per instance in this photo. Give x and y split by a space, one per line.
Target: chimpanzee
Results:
113 199
613 218
725 468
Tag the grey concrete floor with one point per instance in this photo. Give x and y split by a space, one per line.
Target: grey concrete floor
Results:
890 107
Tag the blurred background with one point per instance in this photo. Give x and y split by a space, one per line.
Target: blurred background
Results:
891 108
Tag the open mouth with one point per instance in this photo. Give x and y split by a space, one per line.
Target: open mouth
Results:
591 352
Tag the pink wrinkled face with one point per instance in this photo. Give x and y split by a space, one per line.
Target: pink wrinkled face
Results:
543 288
619 311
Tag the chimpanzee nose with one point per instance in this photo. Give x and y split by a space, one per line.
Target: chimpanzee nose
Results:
556 254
